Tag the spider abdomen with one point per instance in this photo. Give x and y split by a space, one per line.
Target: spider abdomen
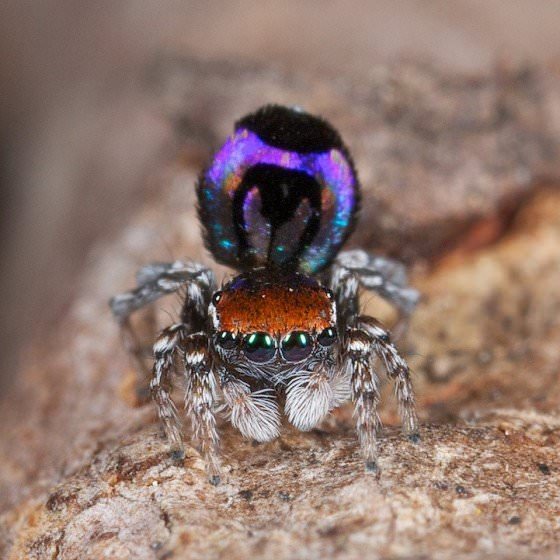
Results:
282 191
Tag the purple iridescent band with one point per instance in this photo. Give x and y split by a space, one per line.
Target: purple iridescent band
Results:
330 169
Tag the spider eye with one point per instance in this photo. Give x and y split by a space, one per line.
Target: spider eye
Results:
227 340
327 337
296 346
259 347
217 297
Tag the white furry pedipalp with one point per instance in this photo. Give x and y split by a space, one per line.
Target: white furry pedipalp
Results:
256 414
309 398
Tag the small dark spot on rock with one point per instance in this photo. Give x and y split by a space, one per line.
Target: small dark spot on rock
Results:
544 468
214 480
330 531
166 520
515 520
284 496
313 460
246 494
57 500
414 438
485 357
38 546
441 485
284 445
371 466
177 456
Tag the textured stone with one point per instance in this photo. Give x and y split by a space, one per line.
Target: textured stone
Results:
463 492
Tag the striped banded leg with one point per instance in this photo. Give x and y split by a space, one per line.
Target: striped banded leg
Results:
365 343
200 400
153 282
168 343
385 276
382 275
397 370
364 385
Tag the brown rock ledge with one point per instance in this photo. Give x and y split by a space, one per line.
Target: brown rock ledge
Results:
466 491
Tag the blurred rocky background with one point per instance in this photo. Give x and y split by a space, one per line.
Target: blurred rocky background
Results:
452 110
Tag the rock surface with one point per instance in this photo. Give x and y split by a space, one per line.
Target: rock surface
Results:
86 474
464 492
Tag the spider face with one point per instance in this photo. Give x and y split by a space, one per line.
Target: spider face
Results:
272 318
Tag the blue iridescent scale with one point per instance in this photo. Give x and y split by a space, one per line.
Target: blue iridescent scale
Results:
281 192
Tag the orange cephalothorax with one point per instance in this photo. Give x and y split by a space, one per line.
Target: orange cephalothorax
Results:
281 304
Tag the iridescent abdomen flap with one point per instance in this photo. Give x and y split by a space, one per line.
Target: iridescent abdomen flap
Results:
281 191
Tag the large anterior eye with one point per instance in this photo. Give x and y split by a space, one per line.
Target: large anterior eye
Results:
227 340
296 346
259 347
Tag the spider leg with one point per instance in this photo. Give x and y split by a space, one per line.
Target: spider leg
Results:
383 275
364 391
365 342
166 346
157 280
153 282
200 400
174 343
397 370
254 413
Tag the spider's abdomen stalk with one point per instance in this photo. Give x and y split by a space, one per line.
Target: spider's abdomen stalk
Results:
282 191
